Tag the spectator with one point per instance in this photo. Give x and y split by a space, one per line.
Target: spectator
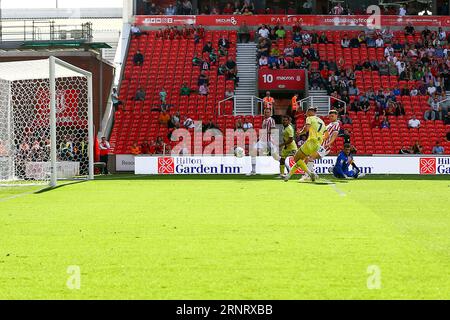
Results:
264 32
263 61
208 126
138 58
135 149
163 96
337 9
413 123
186 7
345 119
140 95
174 120
104 147
385 123
135 31
447 137
170 10
188 123
437 149
247 12
409 29
379 43
402 11
231 68
224 43
185 90
115 99
150 8
376 122
196 61
228 9
417 148
244 33
203 90
406 150
247 125
207 47
268 101
238 125
202 78
345 42
145 147
205 65
433 112
164 118
447 118
159 145
281 33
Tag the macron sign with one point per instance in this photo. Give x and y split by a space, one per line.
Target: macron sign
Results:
281 79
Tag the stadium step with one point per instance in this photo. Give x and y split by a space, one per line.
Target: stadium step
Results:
247 73
320 100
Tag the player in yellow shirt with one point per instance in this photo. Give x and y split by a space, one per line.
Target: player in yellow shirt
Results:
316 129
288 147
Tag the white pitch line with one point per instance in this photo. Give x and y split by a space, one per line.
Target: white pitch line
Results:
333 185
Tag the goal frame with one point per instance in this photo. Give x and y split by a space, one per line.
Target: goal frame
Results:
53 61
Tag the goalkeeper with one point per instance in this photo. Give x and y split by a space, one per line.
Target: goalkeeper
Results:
343 162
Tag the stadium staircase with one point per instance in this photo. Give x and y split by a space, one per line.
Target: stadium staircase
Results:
247 73
320 100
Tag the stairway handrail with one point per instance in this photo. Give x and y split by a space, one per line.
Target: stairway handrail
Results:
231 97
329 101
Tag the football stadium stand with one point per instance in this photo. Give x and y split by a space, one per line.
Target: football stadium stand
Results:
168 64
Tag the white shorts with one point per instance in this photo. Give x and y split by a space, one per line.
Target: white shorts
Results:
323 152
266 147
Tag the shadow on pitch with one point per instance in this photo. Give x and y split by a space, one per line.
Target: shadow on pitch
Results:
62 185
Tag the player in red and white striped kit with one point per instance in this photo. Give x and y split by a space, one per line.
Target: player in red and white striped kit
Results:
266 142
330 136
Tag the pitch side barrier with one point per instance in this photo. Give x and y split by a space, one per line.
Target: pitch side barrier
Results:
377 164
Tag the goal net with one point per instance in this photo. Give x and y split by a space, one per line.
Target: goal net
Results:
45 122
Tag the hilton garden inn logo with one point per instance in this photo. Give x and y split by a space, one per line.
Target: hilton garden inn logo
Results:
197 165
434 165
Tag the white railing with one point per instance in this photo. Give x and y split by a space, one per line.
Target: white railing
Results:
445 100
257 104
312 100
219 110
261 105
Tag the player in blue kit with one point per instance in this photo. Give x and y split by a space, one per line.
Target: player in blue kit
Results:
343 162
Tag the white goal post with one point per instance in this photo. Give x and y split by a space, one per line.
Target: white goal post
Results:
46 122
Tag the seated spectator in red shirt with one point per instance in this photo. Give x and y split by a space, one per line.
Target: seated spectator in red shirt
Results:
228 9
145 147
159 145
376 122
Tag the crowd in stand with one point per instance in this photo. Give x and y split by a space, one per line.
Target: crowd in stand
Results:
247 7
425 61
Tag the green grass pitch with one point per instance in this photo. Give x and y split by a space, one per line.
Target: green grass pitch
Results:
228 238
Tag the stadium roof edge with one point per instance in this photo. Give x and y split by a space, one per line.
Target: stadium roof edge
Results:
32 69
62 13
